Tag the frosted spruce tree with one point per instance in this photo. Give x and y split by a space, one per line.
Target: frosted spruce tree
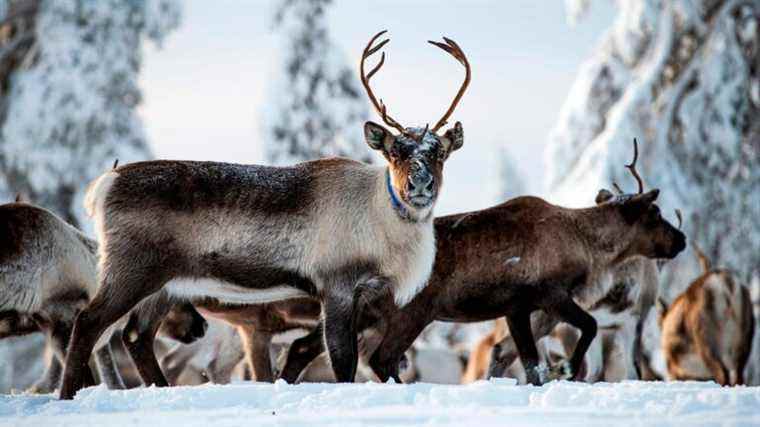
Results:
68 107
316 107
682 76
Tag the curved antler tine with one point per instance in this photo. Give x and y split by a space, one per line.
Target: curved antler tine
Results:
453 49
18 198
443 46
115 164
375 37
632 166
680 218
617 188
377 67
457 51
379 106
376 48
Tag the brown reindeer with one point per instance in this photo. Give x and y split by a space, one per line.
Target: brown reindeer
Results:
256 234
258 324
514 259
707 331
620 314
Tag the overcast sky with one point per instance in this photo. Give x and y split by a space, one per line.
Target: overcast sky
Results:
204 88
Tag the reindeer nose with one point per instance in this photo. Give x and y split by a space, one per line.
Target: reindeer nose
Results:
421 181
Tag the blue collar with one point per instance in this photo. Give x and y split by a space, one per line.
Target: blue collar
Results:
395 202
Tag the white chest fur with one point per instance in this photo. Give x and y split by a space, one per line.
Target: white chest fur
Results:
418 267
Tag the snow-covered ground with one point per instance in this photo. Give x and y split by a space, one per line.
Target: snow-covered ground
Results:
497 402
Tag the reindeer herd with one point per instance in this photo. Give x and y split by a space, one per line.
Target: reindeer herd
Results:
352 255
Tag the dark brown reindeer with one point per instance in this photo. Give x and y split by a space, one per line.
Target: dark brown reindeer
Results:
256 234
514 259
618 315
707 331
622 311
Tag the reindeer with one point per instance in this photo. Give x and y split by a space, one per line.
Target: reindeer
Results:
257 325
257 234
619 315
517 258
48 274
707 331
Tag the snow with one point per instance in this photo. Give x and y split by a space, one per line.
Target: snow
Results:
482 403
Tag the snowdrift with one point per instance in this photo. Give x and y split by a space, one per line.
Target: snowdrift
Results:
496 402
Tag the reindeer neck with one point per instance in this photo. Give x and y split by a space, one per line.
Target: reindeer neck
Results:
605 233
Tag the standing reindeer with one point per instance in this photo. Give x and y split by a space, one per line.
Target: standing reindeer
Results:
252 234
516 258
707 331
47 274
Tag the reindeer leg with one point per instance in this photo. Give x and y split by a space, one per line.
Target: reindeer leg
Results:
107 368
52 376
340 332
301 353
139 335
568 311
505 352
711 356
256 346
123 287
748 320
175 361
59 336
520 329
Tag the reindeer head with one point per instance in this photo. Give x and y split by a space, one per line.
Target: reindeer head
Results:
184 324
653 235
415 155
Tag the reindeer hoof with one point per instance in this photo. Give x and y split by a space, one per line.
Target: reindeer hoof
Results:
561 371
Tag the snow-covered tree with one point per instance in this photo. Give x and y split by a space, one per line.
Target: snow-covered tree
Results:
316 107
69 107
683 77
510 183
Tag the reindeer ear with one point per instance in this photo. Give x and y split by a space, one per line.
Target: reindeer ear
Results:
454 137
377 137
603 196
637 205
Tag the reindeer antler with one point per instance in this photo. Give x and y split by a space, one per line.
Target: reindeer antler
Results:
617 188
379 106
453 49
680 218
632 166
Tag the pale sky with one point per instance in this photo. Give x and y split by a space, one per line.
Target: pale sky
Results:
204 89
